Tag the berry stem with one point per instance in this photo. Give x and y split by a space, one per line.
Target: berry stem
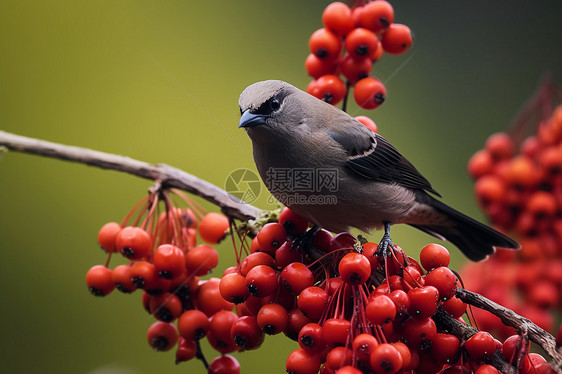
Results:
199 354
344 104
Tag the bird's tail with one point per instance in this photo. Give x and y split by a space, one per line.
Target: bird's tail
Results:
473 238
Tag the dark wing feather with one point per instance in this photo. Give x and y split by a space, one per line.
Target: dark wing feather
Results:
373 157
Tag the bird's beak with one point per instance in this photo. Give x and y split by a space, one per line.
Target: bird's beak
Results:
250 119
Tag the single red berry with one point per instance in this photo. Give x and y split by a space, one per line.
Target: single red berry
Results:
355 68
317 67
261 281
133 242
272 319
212 227
337 18
500 146
169 261
302 362
455 307
233 288
407 357
361 43
329 88
293 223
218 333
162 336
445 348
255 259
121 277
377 15
369 93
363 345
312 301
165 307
225 364
325 44
354 268
336 331
423 301
246 333
433 256
380 310
311 338
386 359
296 277
480 346
187 349
193 324
397 39
297 320
201 260
481 163
444 280
271 237
99 280
416 331
145 276
338 357
286 255
107 235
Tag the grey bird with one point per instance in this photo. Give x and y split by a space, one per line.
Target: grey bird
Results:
332 170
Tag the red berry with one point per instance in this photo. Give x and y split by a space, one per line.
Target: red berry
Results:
201 259
386 359
329 88
293 223
423 301
339 357
169 261
377 15
272 318
121 277
317 67
433 256
302 362
107 235
325 44
455 307
369 93
187 349
311 338
363 345
212 227
193 324
296 277
416 331
355 68
246 333
380 310
445 347
397 39
337 18
444 280
133 242
336 331
218 333
99 280
361 43
312 301
225 364
255 259
233 288
162 336
480 346
261 281
271 237
209 299
354 268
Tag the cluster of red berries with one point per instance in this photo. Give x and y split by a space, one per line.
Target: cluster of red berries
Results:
165 262
351 41
351 308
520 190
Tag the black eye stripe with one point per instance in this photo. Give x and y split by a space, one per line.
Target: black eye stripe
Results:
269 106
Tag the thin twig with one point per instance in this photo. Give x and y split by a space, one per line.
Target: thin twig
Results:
167 175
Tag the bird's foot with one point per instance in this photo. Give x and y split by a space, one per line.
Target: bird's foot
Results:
385 243
303 242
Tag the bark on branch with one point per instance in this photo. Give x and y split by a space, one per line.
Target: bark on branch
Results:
167 175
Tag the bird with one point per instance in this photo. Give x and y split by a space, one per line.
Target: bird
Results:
332 170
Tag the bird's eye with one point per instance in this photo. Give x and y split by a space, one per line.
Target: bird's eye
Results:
274 104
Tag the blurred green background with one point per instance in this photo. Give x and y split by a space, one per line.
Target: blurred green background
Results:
159 81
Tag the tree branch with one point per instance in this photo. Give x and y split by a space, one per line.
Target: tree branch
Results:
167 175
509 318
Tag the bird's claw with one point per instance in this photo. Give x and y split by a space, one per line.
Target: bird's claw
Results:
303 241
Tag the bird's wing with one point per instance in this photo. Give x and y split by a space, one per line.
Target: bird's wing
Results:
371 156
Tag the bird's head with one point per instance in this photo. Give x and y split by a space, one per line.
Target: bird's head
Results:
270 107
